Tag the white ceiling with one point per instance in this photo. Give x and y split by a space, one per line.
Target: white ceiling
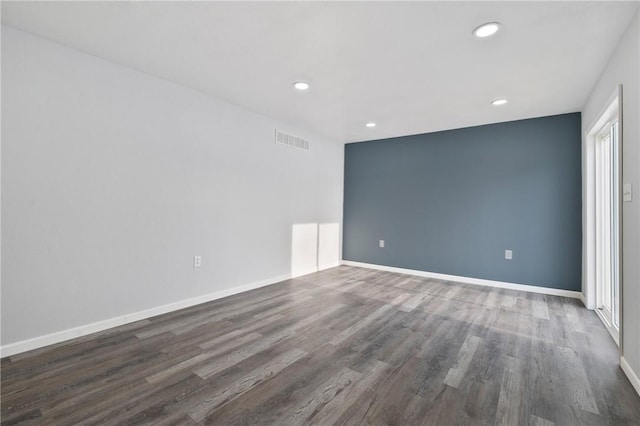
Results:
412 67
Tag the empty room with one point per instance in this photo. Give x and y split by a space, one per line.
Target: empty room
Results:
295 213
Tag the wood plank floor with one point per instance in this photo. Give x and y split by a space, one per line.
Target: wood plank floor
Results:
343 346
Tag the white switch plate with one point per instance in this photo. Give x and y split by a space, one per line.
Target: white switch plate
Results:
197 261
626 193
508 254
381 244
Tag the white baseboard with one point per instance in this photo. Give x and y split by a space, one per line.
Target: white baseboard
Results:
469 280
61 336
633 377
83 330
329 266
301 272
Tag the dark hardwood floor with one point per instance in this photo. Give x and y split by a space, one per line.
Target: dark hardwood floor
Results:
343 346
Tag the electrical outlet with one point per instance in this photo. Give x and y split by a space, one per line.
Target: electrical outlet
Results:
508 254
381 244
197 261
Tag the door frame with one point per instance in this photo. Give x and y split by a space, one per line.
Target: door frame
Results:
612 107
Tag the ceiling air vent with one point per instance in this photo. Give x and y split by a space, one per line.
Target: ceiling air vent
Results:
290 140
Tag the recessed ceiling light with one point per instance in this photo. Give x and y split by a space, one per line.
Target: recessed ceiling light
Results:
301 85
370 124
499 102
486 30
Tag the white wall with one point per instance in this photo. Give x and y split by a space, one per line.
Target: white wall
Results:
623 68
112 180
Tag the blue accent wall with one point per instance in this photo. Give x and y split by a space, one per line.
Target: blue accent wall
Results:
452 202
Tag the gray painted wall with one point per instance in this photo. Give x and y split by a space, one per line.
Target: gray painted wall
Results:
451 202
